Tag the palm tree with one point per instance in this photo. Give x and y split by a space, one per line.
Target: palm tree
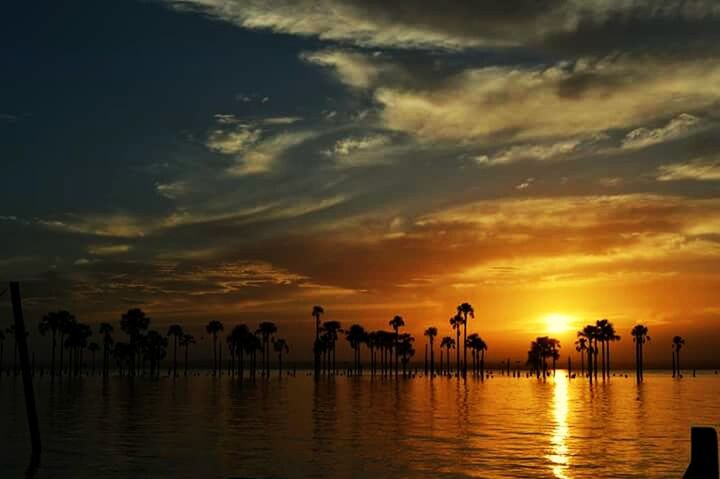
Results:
606 334
240 335
106 330
640 337
405 350
65 324
581 347
478 347
2 350
396 323
317 311
332 328
356 335
465 309
678 343
280 346
186 341
590 334
448 343
456 323
214 328
134 322
431 332
176 331
266 329
155 351
93 348
553 352
51 322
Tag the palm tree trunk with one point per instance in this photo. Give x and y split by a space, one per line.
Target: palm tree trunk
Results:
426 359
465 347
280 364
673 362
608 360
482 365
595 365
582 362
175 357
457 354
397 337
52 361
432 357
678 362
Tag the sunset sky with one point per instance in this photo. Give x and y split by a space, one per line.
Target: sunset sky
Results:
243 160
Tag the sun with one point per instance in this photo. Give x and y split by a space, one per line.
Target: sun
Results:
556 323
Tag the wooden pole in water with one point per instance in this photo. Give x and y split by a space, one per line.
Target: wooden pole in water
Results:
21 339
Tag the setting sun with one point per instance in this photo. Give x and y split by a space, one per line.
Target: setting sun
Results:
556 323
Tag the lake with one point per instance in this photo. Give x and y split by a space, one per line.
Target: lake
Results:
208 427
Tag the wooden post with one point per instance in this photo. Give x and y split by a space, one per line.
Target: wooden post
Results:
21 339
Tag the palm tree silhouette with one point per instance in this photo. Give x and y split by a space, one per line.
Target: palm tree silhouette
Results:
186 341
280 346
134 322
266 329
405 350
106 330
590 334
581 347
317 311
332 328
51 322
356 335
448 343
2 350
456 323
214 328
155 351
678 343
640 337
176 331
372 341
65 324
606 334
396 323
431 332
465 309
93 348
478 347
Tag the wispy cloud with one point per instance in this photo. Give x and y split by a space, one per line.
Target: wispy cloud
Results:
676 128
699 169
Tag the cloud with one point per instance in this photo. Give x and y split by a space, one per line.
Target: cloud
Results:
699 169
549 24
105 250
282 120
353 69
541 152
8 117
118 225
525 184
172 190
230 142
585 97
676 128
262 156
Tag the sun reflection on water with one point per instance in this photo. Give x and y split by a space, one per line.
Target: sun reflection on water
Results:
559 454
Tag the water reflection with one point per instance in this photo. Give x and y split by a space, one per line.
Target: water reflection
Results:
559 455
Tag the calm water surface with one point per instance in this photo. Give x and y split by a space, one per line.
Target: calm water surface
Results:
358 427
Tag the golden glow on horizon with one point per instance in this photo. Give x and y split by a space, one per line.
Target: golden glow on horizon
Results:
557 323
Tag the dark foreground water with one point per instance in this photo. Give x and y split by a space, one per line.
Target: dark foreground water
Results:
209 427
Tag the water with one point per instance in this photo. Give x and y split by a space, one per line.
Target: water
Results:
358 427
